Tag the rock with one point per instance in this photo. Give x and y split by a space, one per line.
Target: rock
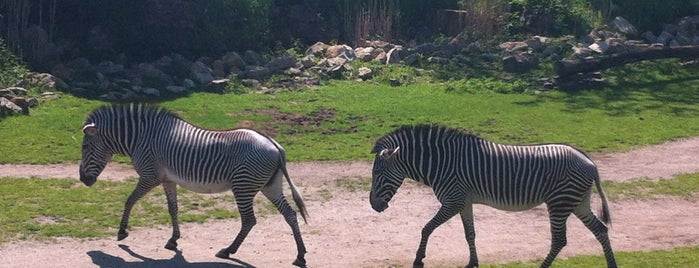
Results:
151 91
175 89
599 47
253 58
284 62
256 72
625 26
364 54
217 86
217 69
425 48
253 83
411 59
201 73
16 91
308 61
665 38
232 59
535 44
438 60
365 73
474 48
317 49
393 55
649 37
344 51
49 95
550 50
514 46
8 107
521 62
109 67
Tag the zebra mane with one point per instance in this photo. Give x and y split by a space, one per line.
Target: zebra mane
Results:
419 130
140 109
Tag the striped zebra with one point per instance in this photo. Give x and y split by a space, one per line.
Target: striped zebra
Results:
168 151
464 169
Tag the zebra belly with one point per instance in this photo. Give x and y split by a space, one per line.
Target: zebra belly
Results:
217 186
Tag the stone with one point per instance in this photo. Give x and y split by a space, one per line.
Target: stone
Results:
625 26
283 62
151 91
256 72
217 86
109 67
599 47
365 73
217 69
232 59
412 59
438 60
649 37
664 38
49 95
344 51
201 73
253 83
317 49
7 107
175 89
393 55
364 53
253 58
514 46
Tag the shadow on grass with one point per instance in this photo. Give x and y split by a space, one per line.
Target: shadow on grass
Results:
102 259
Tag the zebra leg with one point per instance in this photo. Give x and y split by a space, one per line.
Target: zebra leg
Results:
171 194
143 186
273 192
247 218
557 219
445 213
470 232
597 228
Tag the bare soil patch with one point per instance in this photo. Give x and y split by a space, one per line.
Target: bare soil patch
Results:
343 231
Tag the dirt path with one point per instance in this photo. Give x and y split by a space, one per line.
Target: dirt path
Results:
343 231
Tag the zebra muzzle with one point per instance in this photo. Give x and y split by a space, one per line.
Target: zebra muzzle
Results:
378 204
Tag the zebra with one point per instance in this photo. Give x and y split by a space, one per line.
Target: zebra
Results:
464 169
166 150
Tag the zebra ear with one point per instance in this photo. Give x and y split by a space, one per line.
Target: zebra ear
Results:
90 129
388 153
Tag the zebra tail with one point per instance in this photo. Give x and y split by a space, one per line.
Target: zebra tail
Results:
606 216
294 192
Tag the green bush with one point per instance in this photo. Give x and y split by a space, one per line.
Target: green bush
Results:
11 69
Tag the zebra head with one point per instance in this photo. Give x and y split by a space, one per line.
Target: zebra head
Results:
386 178
95 154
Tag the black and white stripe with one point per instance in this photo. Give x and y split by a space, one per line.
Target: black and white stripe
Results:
464 169
166 150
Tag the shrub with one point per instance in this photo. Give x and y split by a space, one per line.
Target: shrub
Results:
11 69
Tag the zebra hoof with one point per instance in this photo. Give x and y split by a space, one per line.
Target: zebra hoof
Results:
223 254
121 235
171 245
300 262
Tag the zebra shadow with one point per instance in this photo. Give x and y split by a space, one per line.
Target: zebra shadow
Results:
102 259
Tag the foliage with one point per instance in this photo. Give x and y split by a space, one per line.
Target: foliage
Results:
11 69
570 16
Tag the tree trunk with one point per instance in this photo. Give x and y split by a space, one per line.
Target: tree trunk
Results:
565 68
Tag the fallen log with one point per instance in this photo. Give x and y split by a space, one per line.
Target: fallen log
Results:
564 68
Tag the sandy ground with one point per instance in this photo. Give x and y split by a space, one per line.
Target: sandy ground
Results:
343 231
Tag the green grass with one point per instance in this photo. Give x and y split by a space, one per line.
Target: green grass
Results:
684 185
643 104
680 257
43 208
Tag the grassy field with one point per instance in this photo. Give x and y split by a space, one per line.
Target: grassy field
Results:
63 207
680 257
341 121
